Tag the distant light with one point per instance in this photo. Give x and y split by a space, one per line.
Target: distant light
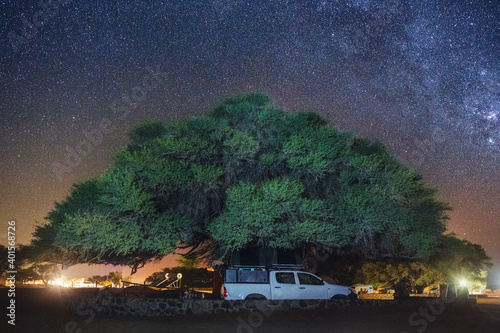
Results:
463 283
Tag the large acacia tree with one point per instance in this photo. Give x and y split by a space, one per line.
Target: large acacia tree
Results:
245 174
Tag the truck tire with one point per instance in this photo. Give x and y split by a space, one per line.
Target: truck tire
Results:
256 297
339 296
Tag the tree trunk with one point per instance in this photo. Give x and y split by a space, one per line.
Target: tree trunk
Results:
217 282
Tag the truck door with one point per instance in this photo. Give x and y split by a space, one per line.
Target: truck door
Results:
283 285
311 287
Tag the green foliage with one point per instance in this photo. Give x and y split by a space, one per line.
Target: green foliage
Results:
115 278
273 213
39 271
245 174
188 261
411 273
97 279
452 260
458 259
146 132
4 263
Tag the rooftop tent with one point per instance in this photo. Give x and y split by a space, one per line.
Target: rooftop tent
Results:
250 256
287 257
265 257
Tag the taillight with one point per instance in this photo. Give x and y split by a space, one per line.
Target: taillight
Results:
225 292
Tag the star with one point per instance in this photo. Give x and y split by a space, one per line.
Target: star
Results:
423 77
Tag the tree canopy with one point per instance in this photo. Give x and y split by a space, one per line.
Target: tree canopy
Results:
452 261
4 259
247 173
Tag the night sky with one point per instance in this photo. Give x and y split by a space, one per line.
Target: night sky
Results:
421 76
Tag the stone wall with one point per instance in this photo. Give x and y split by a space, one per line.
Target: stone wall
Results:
123 306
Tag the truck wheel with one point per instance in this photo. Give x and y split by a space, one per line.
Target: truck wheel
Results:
256 297
339 296
352 296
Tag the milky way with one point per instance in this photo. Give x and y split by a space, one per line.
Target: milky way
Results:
421 76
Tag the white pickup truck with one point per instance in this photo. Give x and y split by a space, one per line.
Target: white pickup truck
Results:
261 283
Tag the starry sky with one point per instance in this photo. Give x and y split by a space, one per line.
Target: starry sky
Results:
421 76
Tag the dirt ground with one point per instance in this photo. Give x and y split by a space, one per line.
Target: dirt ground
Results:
44 311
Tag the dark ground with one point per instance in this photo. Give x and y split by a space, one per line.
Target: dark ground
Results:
44 311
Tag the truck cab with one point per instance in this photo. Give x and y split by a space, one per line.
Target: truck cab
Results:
261 283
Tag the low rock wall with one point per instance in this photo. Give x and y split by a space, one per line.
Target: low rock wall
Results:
122 306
